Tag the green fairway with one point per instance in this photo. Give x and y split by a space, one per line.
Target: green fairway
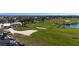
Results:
53 35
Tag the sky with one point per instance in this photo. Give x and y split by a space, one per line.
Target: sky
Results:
36 14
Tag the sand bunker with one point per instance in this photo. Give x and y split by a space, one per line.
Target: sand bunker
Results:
27 32
40 28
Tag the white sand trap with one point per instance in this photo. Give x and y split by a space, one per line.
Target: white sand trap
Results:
40 28
67 20
27 32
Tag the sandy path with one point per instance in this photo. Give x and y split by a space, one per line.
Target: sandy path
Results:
27 32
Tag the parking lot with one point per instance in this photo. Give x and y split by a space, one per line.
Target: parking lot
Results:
8 41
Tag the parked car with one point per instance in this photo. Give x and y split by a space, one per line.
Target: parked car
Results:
8 41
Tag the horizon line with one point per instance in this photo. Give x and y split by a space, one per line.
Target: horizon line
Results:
39 14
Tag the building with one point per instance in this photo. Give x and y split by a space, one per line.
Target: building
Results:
10 25
15 24
6 26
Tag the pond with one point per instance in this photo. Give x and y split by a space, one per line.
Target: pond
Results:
70 26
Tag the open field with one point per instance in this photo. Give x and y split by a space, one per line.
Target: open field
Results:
53 35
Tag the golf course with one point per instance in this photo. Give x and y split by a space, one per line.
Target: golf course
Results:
50 33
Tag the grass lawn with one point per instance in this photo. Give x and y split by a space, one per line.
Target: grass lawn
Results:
51 36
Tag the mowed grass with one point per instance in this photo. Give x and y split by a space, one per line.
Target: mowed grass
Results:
52 36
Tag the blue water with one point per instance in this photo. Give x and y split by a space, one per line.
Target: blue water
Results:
70 26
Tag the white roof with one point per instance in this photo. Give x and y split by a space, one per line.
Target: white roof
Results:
0 24
6 24
17 23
